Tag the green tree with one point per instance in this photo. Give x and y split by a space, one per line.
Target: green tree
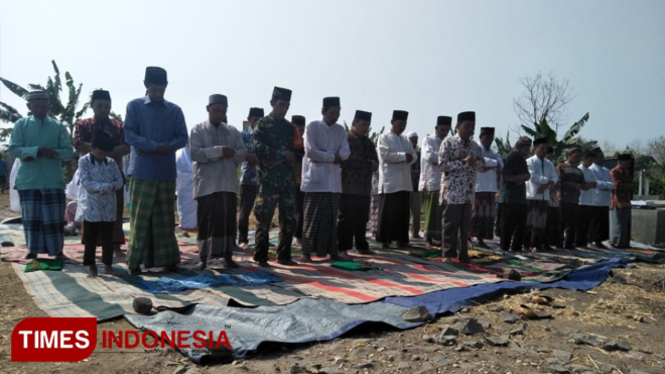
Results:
66 111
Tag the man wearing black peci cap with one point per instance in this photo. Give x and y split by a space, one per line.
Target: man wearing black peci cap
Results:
599 230
278 146
83 131
571 182
459 158
538 189
155 129
396 155
357 172
483 213
586 199
217 150
326 147
248 176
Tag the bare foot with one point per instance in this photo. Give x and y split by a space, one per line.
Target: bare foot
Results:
201 266
108 270
93 272
242 246
306 258
230 264
344 256
287 262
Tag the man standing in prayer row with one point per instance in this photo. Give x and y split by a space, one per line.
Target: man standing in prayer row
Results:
248 178
299 122
396 154
41 143
538 189
326 147
600 221
416 195
184 187
514 176
553 234
459 158
620 209
430 180
586 199
357 186
571 182
487 180
217 150
156 129
83 131
278 147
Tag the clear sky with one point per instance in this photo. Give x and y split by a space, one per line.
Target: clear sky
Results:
428 57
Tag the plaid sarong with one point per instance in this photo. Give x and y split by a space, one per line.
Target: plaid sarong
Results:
43 213
152 224
483 215
433 215
320 226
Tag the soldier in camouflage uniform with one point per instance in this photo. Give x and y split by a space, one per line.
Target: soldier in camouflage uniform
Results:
278 147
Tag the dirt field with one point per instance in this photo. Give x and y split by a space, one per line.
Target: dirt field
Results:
628 309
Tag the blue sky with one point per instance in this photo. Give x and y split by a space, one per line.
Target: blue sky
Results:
428 57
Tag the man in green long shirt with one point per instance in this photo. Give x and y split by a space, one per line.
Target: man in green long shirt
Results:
278 147
41 143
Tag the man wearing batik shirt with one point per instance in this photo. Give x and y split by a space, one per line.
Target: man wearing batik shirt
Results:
586 199
538 190
571 182
248 178
600 219
278 147
620 209
354 205
41 143
326 147
155 128
396 155
459 158
83 131
483 213
514 176
217 149
430 180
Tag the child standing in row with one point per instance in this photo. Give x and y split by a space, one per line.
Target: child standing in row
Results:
99 178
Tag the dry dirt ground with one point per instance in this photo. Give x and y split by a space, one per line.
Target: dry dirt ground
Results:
618 327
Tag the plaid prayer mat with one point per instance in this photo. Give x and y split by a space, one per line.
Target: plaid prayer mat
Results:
416 271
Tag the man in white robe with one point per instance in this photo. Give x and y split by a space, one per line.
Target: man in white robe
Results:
600 221
326 146
396 154
185 190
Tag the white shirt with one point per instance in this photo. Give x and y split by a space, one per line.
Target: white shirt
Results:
98 182
322 142
603 195
486 180
211 171
586 197
430 173
542 172
72 189
394 170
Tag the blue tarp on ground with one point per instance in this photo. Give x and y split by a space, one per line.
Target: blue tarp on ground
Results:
454 299
312 320
202 280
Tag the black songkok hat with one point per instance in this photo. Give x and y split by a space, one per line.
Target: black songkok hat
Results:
155 75
279 93
218 99
588 154
100 95
256 112
444 120
330 101
298 120
596 151
625 157
363 116
36 95
550 149
466 116
103 140
540 141
486 131
400 115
